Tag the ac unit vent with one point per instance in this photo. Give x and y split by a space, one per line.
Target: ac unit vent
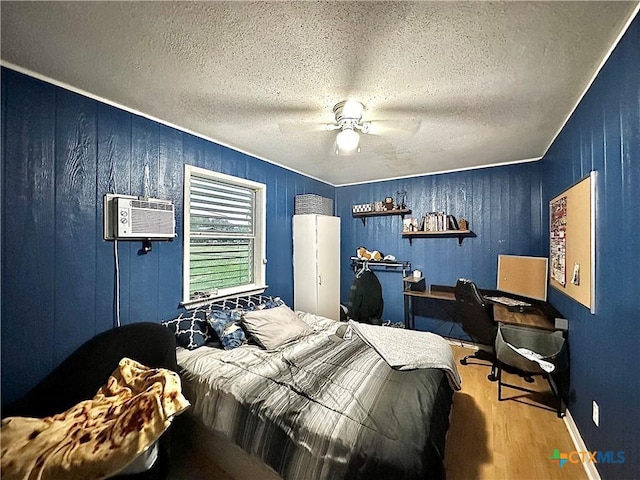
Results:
132 218
151 222
151 205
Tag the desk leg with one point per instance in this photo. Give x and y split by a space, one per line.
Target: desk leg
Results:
409 317
406 311
413 316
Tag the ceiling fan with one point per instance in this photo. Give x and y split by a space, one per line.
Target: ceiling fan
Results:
348 115
395 126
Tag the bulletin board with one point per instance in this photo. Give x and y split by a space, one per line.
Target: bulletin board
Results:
524 276
572 242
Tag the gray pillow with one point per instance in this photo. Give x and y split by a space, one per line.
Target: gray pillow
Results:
274 326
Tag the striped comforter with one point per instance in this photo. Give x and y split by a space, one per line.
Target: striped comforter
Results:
318 409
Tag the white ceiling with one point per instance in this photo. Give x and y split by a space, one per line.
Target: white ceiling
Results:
447 85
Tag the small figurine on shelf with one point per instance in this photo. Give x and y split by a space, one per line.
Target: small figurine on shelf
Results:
364 254
401 199
464 225
388 203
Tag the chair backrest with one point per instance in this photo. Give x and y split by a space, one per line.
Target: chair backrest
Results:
474 313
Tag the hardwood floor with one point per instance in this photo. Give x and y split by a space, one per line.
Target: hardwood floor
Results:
487 440
510 439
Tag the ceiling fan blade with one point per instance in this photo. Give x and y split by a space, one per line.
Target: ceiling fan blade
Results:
314 135
297 128
400 127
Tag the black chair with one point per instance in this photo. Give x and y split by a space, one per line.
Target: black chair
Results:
476 317
80 376
527 352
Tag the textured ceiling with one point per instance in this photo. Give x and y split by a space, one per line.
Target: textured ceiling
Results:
447 85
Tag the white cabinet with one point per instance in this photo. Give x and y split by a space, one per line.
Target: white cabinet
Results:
316 265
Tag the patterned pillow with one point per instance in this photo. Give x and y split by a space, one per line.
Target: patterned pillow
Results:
226 324
249 303
191 329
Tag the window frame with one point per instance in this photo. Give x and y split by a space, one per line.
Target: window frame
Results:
259 236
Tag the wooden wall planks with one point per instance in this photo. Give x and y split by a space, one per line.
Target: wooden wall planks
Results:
74 249
603 134
500 204
28 221
61 152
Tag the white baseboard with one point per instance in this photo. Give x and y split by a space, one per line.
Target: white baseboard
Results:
574 433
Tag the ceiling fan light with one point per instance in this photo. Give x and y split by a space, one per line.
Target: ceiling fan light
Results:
352 109
348 140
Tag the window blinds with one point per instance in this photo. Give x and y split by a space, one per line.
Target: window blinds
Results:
222 235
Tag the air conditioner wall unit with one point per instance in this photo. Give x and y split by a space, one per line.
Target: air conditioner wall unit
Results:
131 218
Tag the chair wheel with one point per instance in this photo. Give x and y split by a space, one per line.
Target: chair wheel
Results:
492 377
463 361
528 379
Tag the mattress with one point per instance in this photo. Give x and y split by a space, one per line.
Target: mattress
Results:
318 408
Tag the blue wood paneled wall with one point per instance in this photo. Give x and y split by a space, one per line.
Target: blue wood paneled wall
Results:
502 205
61 152
604 135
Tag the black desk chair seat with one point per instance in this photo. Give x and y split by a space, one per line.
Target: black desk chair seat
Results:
476 317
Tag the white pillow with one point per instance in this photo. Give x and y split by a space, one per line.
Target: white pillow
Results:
274 326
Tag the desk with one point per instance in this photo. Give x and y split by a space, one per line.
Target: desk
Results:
540 315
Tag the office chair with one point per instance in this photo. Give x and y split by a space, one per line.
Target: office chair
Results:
476 317
528 351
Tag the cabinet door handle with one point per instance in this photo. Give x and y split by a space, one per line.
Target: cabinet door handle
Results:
319 279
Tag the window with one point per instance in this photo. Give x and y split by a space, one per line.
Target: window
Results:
224 236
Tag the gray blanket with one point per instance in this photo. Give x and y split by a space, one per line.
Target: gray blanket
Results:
316 409
410 349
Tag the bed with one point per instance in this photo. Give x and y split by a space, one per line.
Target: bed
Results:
325 402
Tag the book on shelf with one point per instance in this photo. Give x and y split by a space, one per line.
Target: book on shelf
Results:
435 222
439 222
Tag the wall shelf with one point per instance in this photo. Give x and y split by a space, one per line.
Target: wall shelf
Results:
384 213
459 234
357 263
